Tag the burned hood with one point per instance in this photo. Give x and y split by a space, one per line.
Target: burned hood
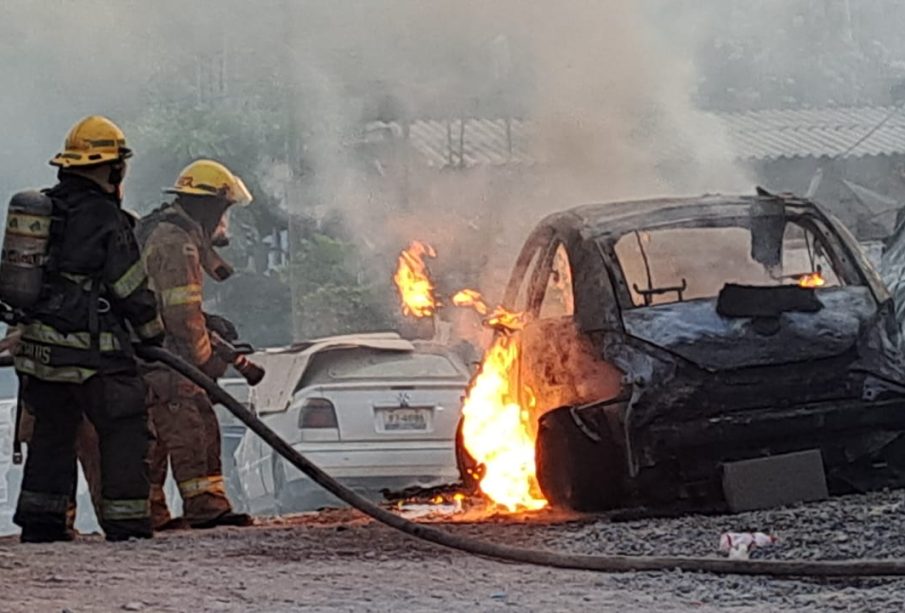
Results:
695 331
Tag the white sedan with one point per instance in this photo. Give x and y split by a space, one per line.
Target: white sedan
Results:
373 410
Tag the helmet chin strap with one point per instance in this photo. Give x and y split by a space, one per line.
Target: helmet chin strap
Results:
117 174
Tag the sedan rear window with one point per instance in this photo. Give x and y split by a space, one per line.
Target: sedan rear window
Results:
360 364
674 264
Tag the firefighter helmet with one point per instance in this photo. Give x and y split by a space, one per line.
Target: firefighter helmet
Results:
93 140
210 178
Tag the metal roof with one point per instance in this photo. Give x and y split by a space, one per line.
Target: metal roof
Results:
471 142
815 132
463 143
753 135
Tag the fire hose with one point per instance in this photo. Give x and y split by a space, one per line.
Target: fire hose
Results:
599 563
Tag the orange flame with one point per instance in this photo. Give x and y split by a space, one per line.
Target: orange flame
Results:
505 320
413 280
814 279
470 298
495 427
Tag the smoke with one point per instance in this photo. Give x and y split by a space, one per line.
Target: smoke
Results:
606 89
606 99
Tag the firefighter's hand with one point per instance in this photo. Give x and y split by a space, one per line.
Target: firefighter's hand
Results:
154 341
215 367
222 326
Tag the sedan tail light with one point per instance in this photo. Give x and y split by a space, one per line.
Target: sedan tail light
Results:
317 413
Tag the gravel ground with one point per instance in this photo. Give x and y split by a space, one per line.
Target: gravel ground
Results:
340 562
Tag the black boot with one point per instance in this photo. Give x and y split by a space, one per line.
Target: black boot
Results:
46 534
123 530
226 519
175 523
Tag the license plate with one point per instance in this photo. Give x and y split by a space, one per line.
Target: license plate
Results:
404 419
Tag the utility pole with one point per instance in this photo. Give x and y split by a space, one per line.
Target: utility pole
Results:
293 160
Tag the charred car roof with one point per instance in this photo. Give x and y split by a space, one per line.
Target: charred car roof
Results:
615 218
611 220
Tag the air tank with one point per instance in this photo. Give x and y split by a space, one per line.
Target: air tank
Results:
25 248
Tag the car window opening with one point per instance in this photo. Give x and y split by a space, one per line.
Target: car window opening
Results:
369 364
559 298
669 265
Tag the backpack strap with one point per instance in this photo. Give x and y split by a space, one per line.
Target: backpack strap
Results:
58 219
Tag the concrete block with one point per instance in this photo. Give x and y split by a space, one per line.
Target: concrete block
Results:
774 481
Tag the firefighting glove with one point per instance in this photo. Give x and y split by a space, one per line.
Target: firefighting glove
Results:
154 341
222 326
215 367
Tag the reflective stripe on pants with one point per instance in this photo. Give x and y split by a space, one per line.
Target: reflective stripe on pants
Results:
202 485
39 502
125 509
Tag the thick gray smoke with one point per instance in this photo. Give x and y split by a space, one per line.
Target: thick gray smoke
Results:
609 115
607 90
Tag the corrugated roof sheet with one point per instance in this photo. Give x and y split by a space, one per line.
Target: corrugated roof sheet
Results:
471 142
759 135
815 132
464 143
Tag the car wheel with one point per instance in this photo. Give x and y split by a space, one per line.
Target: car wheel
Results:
468 467
573 470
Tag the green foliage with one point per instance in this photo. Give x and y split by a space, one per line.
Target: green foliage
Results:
169 138
329 293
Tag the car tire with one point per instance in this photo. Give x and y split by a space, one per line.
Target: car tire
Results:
573 470
467 465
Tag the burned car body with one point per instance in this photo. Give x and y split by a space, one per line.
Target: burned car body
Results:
670 338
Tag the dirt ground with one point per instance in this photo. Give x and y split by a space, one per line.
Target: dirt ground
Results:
338 561
356 567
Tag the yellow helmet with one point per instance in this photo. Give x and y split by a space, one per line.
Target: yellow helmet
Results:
93 140
210 178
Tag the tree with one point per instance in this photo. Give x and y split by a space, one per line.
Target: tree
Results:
332 294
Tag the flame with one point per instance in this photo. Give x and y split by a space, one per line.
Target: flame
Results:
416 289
814 279
495 427
505 320
470 298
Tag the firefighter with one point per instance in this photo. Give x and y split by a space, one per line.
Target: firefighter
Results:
178 242
75 356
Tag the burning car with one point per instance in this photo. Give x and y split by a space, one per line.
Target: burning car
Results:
660 342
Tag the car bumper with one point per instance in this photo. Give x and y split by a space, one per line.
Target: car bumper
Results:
378 460
368 469
862 445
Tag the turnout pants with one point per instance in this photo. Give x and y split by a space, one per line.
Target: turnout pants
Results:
188 436
87 450
115 406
